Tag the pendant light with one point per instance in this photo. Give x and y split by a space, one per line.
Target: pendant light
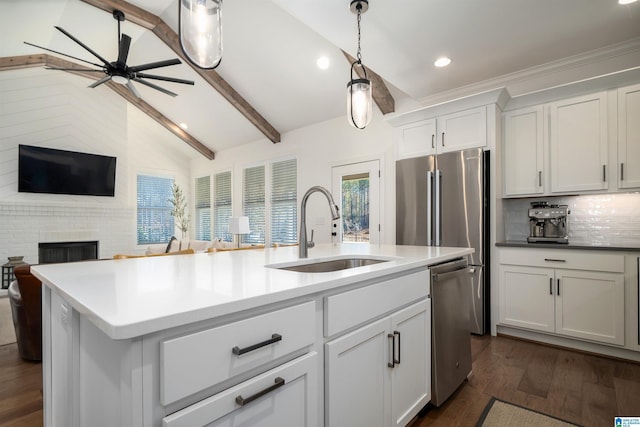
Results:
200 28
359 103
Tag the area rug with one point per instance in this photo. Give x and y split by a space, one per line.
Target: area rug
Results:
499 413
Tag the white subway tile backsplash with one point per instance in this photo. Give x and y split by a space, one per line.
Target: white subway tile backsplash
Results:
601 219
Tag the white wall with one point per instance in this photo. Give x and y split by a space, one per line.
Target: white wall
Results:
56 110
317 147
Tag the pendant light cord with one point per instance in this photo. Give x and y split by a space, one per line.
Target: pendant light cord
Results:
359 54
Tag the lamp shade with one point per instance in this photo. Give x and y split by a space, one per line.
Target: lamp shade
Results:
239 225
200 28
359 104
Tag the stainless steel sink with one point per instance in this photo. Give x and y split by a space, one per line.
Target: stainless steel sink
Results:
333 265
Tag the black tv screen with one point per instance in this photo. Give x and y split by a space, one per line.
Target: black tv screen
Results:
47 170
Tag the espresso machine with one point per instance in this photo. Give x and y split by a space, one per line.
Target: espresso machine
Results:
548 223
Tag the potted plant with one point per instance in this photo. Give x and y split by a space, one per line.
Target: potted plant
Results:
179 208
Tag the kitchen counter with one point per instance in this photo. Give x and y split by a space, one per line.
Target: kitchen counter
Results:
128 298
586 246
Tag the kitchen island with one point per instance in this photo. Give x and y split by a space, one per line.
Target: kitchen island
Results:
193 339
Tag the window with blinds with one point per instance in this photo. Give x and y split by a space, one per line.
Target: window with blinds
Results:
222 206
253 204
154 219
203 208
284 201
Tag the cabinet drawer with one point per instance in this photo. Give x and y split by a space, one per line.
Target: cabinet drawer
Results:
200 360
284 396
349 309
561 258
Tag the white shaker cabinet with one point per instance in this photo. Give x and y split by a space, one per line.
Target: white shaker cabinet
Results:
449 132
523 152
380 374
578 143
629 137
578 295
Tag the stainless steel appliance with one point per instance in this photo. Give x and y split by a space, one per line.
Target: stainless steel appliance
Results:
443 201
548 223
450 335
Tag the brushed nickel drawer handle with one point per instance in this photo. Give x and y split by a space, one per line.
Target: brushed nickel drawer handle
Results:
279 382
555 260
274 338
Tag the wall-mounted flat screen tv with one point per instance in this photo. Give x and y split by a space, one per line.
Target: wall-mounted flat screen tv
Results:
47 170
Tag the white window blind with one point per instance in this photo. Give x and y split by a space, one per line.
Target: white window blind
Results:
253 204
154 222
203 208
222 206
284 201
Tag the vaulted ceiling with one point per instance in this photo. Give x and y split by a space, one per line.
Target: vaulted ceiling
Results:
268 82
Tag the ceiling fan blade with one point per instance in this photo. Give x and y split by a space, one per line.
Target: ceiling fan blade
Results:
166 79
99 82
151 65
133 89
123 49
163 90
64 54
62 30
84 70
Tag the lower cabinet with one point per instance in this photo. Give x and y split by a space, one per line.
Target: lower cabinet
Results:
283 396
380 374
570 302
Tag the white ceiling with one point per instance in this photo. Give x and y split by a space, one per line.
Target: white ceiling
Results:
271 46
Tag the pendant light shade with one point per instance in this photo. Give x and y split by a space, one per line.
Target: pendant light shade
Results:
359 102
359 99
200 28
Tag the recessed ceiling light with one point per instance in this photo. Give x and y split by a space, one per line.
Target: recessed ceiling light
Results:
323 62
626 1
184 126
442 62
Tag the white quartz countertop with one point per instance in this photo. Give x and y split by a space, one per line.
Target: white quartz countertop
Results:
128 298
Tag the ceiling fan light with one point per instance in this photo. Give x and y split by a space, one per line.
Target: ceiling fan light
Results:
200 28
359 103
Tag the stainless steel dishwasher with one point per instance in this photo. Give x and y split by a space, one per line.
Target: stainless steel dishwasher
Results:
450 329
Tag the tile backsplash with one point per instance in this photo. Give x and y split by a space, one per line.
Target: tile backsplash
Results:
598 219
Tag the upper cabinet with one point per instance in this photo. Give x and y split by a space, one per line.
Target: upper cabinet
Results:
450 132
629 137
578 144
523 152
585 144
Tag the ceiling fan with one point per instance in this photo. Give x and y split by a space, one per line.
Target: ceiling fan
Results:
118 71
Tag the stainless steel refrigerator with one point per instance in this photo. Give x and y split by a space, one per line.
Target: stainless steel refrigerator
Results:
442 200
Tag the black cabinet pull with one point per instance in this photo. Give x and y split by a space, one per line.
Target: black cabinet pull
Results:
433 137
621 171
397 361
393 351
555 260
558 287
238 351
550 286
279 382
443 139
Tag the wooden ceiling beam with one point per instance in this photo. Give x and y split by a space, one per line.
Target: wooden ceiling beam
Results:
44 60
381 95
152 22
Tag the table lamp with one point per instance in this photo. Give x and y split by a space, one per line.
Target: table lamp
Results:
239 225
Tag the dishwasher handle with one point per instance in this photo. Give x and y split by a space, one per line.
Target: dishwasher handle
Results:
441 272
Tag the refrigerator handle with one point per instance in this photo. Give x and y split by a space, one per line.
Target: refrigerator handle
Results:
438 210
429 208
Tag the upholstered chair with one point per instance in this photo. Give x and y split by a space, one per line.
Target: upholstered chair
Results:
25 296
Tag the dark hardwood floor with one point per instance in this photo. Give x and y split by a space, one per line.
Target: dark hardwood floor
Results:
579 388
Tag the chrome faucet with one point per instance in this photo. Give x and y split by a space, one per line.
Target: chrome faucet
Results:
303 243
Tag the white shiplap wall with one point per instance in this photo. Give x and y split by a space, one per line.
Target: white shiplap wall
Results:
57 110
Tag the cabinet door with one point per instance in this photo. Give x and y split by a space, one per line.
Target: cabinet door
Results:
629 137
527 297
590 305
578 143
461 130
284 396
523 152
411 376
356 389
416 139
